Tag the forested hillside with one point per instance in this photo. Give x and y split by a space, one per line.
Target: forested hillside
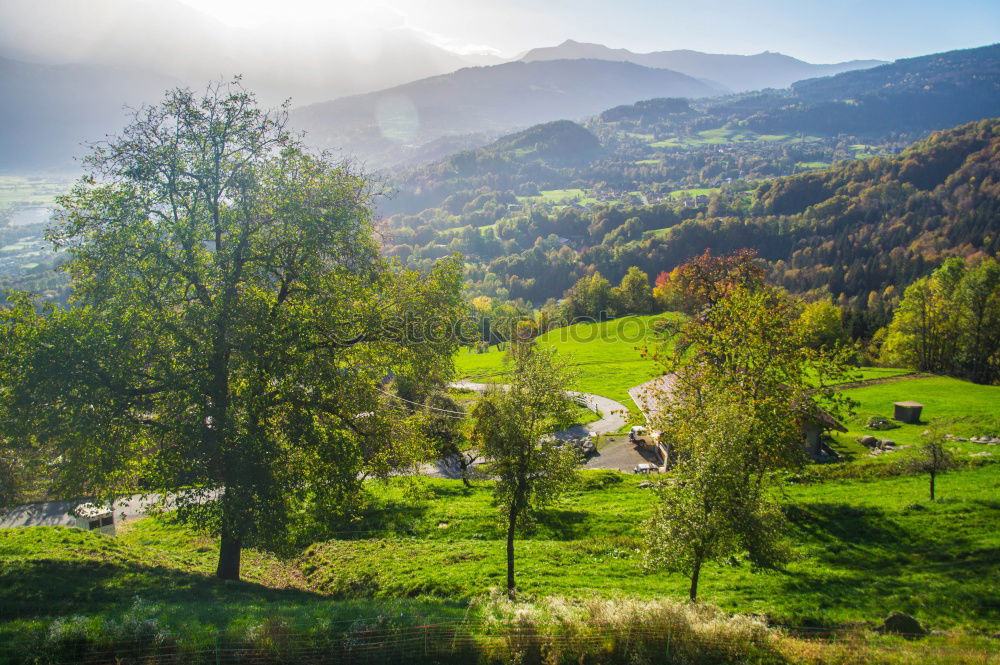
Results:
931 91
858 227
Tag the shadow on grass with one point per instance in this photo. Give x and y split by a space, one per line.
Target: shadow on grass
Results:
400 518
50 588
563 524
865 557
843 450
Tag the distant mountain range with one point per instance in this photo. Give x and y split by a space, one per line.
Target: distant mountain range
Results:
48 109
913 94
389 125
656 140
738 73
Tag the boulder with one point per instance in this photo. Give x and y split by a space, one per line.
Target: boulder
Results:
868 440
888 444
880 423
898 623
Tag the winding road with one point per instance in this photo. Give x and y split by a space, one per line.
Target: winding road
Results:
613 414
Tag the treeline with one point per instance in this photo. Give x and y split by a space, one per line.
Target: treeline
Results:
949 323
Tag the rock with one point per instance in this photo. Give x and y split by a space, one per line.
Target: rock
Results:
898 623
963 440
646 484
888 443
880 423
868 440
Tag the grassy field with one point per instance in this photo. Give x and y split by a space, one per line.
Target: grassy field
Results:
559 196
723 136
862 548
31 190
679 194
604 355
957 407
812 165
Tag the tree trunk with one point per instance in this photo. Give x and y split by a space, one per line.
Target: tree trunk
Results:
694 580
464 463
230 549
512 522
932 485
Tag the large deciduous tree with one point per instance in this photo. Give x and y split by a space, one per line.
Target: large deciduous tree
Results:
510 427
231 327
698 283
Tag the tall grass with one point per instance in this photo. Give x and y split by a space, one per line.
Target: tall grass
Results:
545 631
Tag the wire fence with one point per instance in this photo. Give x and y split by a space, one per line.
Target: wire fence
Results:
353 642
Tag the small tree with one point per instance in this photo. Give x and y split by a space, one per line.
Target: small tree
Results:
442 425
510 427
708 510
933 458
633 295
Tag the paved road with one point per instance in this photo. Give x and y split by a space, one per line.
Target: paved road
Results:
56 513
620 454
613 414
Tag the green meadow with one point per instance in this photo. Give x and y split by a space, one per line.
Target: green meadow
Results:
862 548
723 136
559 197
31 190
954 406
606 356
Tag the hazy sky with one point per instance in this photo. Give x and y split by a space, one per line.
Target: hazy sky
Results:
814 30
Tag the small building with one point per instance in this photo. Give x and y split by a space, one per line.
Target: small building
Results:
814 424
814 427
91 517
908 412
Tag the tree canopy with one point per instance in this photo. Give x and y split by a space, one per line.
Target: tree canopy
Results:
742 387
231 325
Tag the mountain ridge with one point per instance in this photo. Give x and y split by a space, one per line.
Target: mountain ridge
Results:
478 100
738 73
